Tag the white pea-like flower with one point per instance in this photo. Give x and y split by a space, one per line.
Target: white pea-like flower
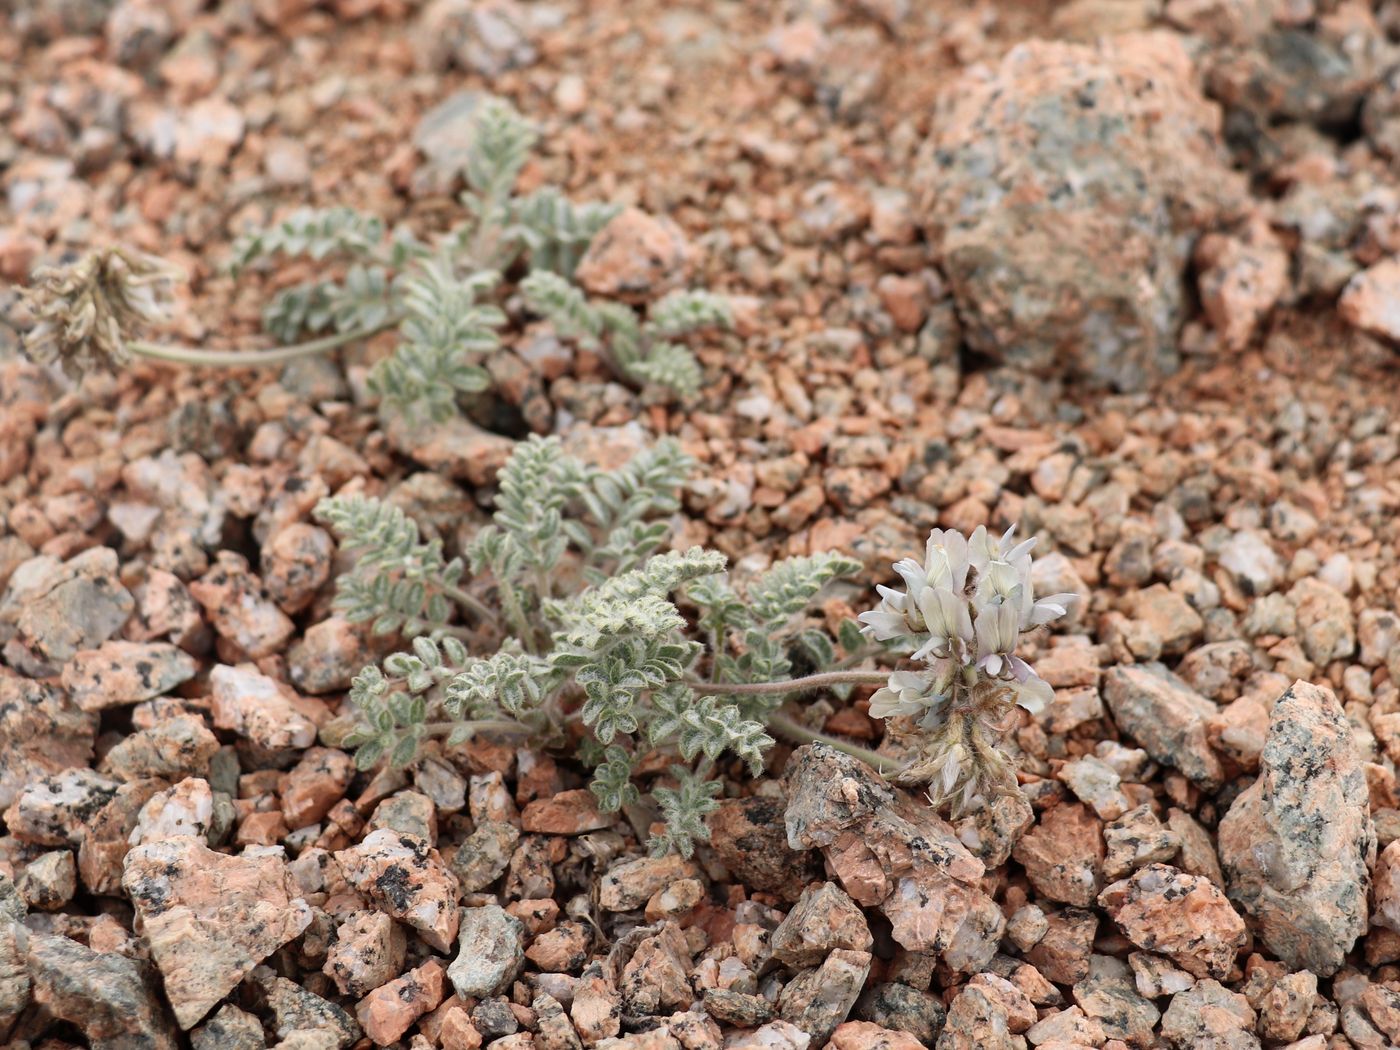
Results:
949 622
968 603
908 693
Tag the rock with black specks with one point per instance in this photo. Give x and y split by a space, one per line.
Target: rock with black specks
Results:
1298 844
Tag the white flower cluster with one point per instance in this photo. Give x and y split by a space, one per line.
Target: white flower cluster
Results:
965 608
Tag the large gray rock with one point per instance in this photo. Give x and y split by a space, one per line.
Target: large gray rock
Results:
1063 191
1298 845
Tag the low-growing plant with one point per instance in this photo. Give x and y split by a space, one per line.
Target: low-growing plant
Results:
446 298
962 613
575 634
578 632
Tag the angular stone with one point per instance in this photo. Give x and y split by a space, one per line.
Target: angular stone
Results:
209 918
903 1009
1185 917
490 952
107 995
185 809
749 837
41 732
249 703
635 257
893 853
62 608
484 854
118 673
229 1029
1298 844
368 952
386 1013
299 1011
1210 1017
1108 994
818 1000
565 813
405 878
823 918
597 1007
240 610
1167 717
49 880
989 1013
1135 839
315 784
552 1028
1063 954
1062 204
1063 854
656 979
107 838
630 884
1369 300
407 812
172 749
55 810
563 949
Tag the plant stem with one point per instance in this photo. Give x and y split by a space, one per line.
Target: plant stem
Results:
787 726
486 726
791 685
189 355
470 602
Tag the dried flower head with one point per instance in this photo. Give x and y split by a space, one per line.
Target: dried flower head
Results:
963 610
85 311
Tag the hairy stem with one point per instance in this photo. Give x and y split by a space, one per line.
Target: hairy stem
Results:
470 602
189 355
484 726
788 727
791 685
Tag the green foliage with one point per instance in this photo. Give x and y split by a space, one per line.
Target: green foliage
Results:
445 297
399 582
596 644
317 233
641 352
555 230
685 808
764 624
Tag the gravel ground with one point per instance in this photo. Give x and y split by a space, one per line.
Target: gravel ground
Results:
1125 272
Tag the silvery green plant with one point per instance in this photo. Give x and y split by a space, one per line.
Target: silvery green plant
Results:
445 298
962 613
565 622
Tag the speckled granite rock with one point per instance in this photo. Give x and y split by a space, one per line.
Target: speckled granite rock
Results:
405 878
106 994
41 731
1182 916
1167 717
209 918
890 851
490 952
1298 845
1062 190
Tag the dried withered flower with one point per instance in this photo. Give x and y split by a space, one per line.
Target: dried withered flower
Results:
88 310
964 610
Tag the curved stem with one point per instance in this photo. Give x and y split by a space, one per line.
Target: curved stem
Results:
787 726
188 355
485 726
470 602
791 685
